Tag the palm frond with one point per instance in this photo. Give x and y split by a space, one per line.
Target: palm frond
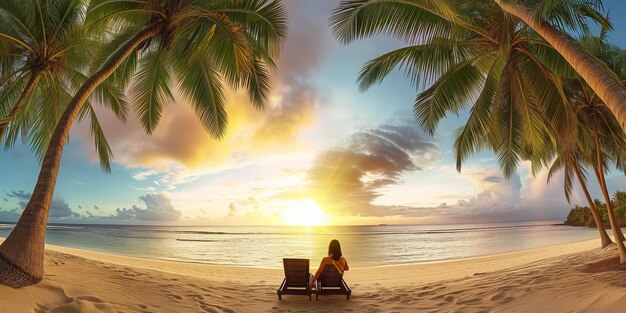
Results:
150 89
201 85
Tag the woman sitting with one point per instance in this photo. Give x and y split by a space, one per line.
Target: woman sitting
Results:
335 258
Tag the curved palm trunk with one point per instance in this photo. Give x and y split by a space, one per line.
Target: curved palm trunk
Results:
21 254
4 125
604 237
597 76
617 232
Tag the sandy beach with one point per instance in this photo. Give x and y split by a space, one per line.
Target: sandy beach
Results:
562 278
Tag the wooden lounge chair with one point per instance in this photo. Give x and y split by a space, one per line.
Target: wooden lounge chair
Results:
297 278
331 282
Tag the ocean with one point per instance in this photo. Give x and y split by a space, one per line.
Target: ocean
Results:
266 246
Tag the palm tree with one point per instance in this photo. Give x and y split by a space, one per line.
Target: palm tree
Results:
474 55
45 55
569 159
597 76
608 137
203 44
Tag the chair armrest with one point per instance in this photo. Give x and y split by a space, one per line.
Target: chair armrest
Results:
282 285
343 282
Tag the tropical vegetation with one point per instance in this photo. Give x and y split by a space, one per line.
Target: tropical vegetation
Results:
201 45
594 121
581 215
45 58
518 73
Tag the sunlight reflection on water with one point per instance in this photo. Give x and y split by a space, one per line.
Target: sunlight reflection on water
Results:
266 246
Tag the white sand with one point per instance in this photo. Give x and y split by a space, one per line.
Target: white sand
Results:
549 279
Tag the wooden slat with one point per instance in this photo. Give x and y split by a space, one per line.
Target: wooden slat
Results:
297 274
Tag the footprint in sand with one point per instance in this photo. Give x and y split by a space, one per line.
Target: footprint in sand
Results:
449 299
175 296
470 301
497 296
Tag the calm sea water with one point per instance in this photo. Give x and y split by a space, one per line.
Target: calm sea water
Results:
266 246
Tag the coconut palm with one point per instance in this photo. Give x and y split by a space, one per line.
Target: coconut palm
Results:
45 53
608 140
475 56
199 44
538 14
571 161
609 144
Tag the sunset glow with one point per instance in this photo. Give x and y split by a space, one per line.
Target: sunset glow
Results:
322 151
305 212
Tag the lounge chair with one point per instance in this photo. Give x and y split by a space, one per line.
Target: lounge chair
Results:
297 278
331 282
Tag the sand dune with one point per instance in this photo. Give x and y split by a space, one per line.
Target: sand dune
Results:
563 278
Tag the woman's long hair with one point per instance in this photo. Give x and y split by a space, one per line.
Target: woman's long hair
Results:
334 249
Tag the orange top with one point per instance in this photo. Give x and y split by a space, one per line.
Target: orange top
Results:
341 265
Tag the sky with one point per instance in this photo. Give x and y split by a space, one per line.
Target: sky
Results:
322 152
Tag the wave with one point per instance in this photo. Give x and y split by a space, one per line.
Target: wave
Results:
197 240
371 232
65 227
48 227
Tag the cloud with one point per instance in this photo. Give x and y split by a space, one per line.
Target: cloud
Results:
58 207
124 214
348 179
21 196
283 123
180 140
496 200
305 49
158 208
232 209
9 216
144 174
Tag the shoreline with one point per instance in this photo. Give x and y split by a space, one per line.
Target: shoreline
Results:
79 251
78 280
391 276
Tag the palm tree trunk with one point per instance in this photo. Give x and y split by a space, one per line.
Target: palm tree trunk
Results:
21 254
597 76
4 123
604 237
617 232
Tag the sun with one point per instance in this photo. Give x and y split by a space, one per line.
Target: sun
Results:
305 212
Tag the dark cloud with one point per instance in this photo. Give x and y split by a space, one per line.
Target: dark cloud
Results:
21 196
9 216
158 208
95 207
58 207
124 214
348 179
